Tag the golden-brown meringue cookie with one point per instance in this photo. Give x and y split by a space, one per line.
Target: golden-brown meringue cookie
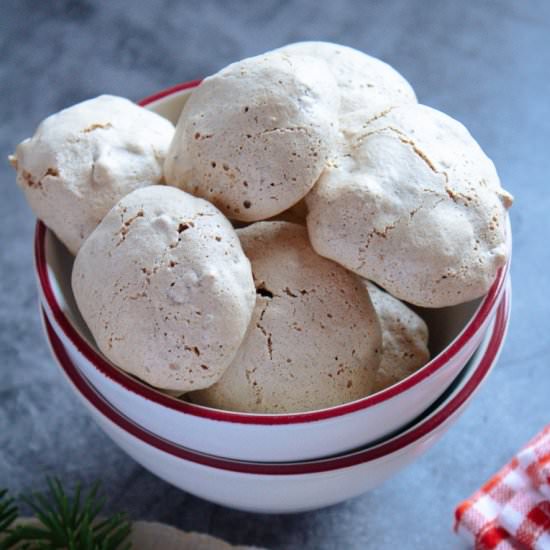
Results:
255 137
85 158
414 205
165 288
404 338
364 82
314 340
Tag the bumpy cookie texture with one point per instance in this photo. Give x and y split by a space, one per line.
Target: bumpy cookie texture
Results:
314 340
414 205
165 288
364 82
404 338
82 160
255 137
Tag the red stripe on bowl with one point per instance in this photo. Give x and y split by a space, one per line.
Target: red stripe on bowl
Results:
169 91
324 465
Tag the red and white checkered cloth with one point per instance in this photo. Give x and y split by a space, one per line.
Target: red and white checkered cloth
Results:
512 510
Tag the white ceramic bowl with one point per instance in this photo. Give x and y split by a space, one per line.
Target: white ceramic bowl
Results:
289 487
454 335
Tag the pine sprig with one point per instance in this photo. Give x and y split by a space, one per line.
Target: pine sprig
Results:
69 523
8 511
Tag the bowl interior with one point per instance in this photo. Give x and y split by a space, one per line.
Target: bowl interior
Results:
170 102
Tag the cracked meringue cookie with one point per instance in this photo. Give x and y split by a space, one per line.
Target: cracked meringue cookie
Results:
85 158
414 205
314 340
165 288
364 82
404 338
255 137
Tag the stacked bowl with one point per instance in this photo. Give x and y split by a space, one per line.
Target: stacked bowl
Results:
273 462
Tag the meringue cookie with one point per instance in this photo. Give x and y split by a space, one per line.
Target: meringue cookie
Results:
404 338
414 205
165 288
82 160
255 137
314 340
364 82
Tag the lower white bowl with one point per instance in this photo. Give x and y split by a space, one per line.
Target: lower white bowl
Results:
290 486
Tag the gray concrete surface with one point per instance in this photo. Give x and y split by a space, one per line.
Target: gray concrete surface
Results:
485 63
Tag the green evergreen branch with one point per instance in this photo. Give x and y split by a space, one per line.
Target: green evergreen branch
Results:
64 522
8 511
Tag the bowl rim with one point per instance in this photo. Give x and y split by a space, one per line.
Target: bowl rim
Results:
400 442
133 385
